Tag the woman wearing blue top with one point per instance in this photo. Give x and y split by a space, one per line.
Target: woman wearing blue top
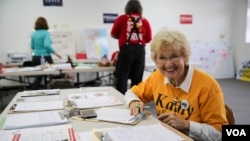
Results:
41 46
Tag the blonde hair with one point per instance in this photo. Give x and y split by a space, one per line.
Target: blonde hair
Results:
171 39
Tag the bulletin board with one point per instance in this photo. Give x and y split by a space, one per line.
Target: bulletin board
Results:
213 57
64 43
96 43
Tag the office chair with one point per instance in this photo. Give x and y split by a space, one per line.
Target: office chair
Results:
230 115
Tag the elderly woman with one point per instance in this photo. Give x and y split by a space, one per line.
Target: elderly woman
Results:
185 97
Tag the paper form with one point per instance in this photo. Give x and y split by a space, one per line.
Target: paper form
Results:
51 133
38 98
40 93
155 132
115 115
93 99
34 119
38 106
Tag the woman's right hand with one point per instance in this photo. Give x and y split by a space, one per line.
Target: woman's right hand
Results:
58 55
136 107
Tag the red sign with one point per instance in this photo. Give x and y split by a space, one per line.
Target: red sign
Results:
186 19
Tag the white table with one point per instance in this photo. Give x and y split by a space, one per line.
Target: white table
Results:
80 126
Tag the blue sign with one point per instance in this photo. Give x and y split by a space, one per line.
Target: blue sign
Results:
52 2
109 18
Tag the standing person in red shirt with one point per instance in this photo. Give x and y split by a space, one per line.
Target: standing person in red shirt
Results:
132 31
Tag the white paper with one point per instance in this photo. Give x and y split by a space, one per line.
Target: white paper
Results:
93 99
34 119
50 133
115 115
39 106
38 98
85 136
41 92
155 132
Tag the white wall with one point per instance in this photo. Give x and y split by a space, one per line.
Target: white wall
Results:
213 20
241 49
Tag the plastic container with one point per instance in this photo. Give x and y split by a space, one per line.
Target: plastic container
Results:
42 60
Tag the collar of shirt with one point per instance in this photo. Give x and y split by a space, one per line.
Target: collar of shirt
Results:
185 85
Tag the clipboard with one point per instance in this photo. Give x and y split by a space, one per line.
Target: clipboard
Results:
119 115
41 93
39 106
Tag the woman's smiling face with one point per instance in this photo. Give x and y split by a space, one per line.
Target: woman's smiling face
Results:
171 63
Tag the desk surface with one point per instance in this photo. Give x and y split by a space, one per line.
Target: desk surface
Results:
80 126
89 69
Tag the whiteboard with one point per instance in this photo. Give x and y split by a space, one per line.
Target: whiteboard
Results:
215 58
64 43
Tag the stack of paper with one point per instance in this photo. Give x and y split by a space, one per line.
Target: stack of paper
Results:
154 132
119 115
93 99
38 106
34 119
41 93
50 133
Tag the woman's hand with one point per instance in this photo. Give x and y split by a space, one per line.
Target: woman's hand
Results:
136 107
58 55
175 121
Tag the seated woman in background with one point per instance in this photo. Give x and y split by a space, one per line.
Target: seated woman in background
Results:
185 97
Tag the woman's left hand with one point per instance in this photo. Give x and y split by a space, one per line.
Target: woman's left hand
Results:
175 121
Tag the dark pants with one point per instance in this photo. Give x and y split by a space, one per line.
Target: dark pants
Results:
130 65
36 61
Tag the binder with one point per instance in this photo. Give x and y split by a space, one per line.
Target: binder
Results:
157 131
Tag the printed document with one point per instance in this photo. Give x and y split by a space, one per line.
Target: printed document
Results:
34 119
93 99
50 133
154 132
38 106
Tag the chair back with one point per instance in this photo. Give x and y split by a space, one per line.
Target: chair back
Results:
230 115
27 64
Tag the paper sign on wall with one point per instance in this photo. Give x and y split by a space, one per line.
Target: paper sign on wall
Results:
186 19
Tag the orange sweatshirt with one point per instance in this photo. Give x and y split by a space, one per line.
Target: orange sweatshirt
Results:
199 98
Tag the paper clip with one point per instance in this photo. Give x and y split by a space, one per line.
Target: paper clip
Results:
105 137
141 116
64 114
13 107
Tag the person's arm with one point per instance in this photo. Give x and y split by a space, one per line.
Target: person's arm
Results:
58 55
203 132
148 31
116 29
130 96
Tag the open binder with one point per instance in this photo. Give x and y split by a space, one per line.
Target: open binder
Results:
158 132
